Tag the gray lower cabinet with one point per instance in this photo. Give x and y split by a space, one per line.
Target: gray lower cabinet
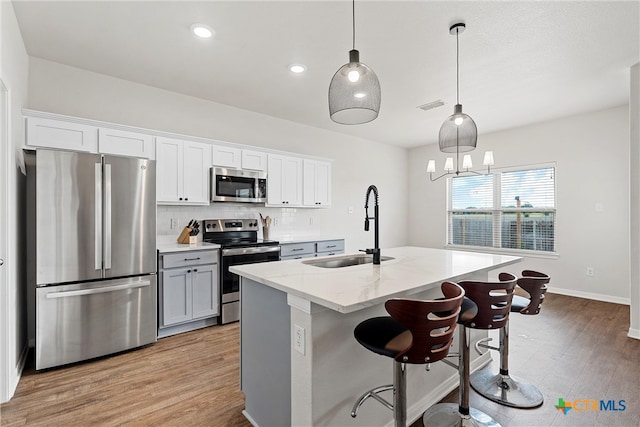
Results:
188 291
311 249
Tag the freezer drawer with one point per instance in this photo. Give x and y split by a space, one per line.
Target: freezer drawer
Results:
87 320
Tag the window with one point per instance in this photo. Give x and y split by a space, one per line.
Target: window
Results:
515 209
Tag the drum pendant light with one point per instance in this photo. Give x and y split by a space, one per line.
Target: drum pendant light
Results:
459 132
354 92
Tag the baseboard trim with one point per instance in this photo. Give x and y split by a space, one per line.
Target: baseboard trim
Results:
634 333
248 417
22 361
589 295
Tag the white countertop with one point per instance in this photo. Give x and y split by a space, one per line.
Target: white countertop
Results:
349 289
170 244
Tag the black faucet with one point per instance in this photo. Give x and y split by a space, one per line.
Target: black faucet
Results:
376 250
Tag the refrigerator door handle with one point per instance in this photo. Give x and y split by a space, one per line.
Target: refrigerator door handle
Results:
114 288
98 216
107 216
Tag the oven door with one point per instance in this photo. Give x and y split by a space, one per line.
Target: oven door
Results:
237 256
231 185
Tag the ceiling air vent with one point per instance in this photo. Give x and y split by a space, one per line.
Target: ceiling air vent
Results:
431 105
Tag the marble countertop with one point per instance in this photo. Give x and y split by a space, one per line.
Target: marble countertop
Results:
348 289
169 244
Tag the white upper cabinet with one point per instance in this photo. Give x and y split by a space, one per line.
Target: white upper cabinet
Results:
317 183
63 135
284 184
254 160
125 143
227 157
183 163
182 171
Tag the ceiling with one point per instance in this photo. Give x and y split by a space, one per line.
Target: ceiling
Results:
521 62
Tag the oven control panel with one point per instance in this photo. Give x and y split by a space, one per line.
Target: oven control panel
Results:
222 225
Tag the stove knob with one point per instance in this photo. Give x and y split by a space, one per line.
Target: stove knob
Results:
208 226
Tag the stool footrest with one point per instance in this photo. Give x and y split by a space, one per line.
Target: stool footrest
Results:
483 343
374 394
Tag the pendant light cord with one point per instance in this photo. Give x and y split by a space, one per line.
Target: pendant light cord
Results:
353 14
457 69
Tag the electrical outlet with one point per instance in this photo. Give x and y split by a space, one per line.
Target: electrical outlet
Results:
590 272
174 223
298 339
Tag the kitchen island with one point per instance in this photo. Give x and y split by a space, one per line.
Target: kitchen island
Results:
300 364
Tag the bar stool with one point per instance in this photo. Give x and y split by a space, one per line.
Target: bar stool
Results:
418 332
501 387
494 302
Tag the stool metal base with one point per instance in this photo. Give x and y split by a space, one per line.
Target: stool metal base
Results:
506 390
447 415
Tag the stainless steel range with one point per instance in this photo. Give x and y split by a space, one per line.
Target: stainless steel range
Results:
240 245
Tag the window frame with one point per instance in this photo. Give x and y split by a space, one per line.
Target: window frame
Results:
497 212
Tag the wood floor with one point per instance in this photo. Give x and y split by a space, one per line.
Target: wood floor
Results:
575 349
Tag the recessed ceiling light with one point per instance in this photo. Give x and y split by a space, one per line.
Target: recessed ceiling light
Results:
202 31
297 68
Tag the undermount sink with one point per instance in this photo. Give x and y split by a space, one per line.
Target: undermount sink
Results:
344 261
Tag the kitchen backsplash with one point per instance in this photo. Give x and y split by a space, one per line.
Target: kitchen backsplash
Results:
286 222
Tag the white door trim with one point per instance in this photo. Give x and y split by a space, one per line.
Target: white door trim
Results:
6 390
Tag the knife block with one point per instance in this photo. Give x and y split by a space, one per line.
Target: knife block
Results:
184 235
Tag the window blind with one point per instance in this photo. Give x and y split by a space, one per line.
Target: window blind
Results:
514 210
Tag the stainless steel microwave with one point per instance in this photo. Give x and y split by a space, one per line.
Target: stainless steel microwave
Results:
235 185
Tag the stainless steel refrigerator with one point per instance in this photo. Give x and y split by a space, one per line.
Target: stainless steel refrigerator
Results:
92 254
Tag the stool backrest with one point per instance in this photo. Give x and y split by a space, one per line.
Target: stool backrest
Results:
493 300
431 323
535 283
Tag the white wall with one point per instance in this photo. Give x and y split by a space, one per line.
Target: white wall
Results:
13 73
591 152
634 160
357 163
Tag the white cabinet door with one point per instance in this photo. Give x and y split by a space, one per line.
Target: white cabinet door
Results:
169 174
205 291
182 172
196 172
254 160
176 296
124 143
285 180
63 135
227 157
317 183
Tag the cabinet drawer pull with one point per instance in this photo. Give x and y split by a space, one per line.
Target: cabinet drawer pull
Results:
331 246
297 249
195 270
192 259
